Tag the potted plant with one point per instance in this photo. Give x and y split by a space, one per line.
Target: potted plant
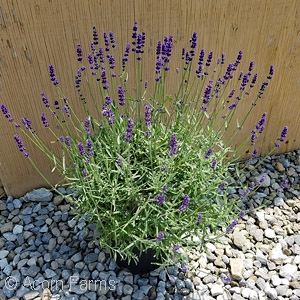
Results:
151 170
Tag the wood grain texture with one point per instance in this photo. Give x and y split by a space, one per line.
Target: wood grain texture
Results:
37 33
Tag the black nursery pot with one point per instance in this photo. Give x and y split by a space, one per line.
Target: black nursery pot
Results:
144 264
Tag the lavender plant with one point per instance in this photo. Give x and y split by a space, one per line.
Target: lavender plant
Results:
151 169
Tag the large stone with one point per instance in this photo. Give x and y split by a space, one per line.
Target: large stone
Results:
241 241
276 255
39 195
287 271
237 268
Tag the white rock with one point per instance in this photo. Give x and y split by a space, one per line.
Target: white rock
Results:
276 254
275 280
216 290
237 268
287 271
270 233
260 215
246 292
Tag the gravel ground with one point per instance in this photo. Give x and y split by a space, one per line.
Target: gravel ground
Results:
44 254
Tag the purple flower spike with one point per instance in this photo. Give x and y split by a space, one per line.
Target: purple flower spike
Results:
271 72
95 36
185 203
79 52
68 141
176 248
52 75
87 126
207 93
85 174
89 145
254 153
6 113
130 125
27 123
173 145
231 225
283 134
160 199
214 163
121 94
81 149
148 115
208 153
44 120
200 216
21 145
242 214
222 186
160 236
251 66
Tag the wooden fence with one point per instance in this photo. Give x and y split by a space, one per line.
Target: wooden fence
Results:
35 34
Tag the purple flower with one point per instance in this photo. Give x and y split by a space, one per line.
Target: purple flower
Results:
95 36
104 79
244 82
223 59
231 94
231 225
214 163
207 93
200 216
254 153
120 160
21 145
112 39
125 57
129 129
184 269
271 72
225 279
121 94
254 78
208 153
81 149
68 141
79 52
232 106
200 63
111 61
193 40
222 186
259 126
87 127
89 145
239 58
176 248
209 59
164 188
67 111
173 145
251 66
85 174
283 185
262 88
62 138
52 75
228 74
27 123
6 113
249 189
160 236
165 169
242 214
44 120
185 203
147 115
160 199
283 134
